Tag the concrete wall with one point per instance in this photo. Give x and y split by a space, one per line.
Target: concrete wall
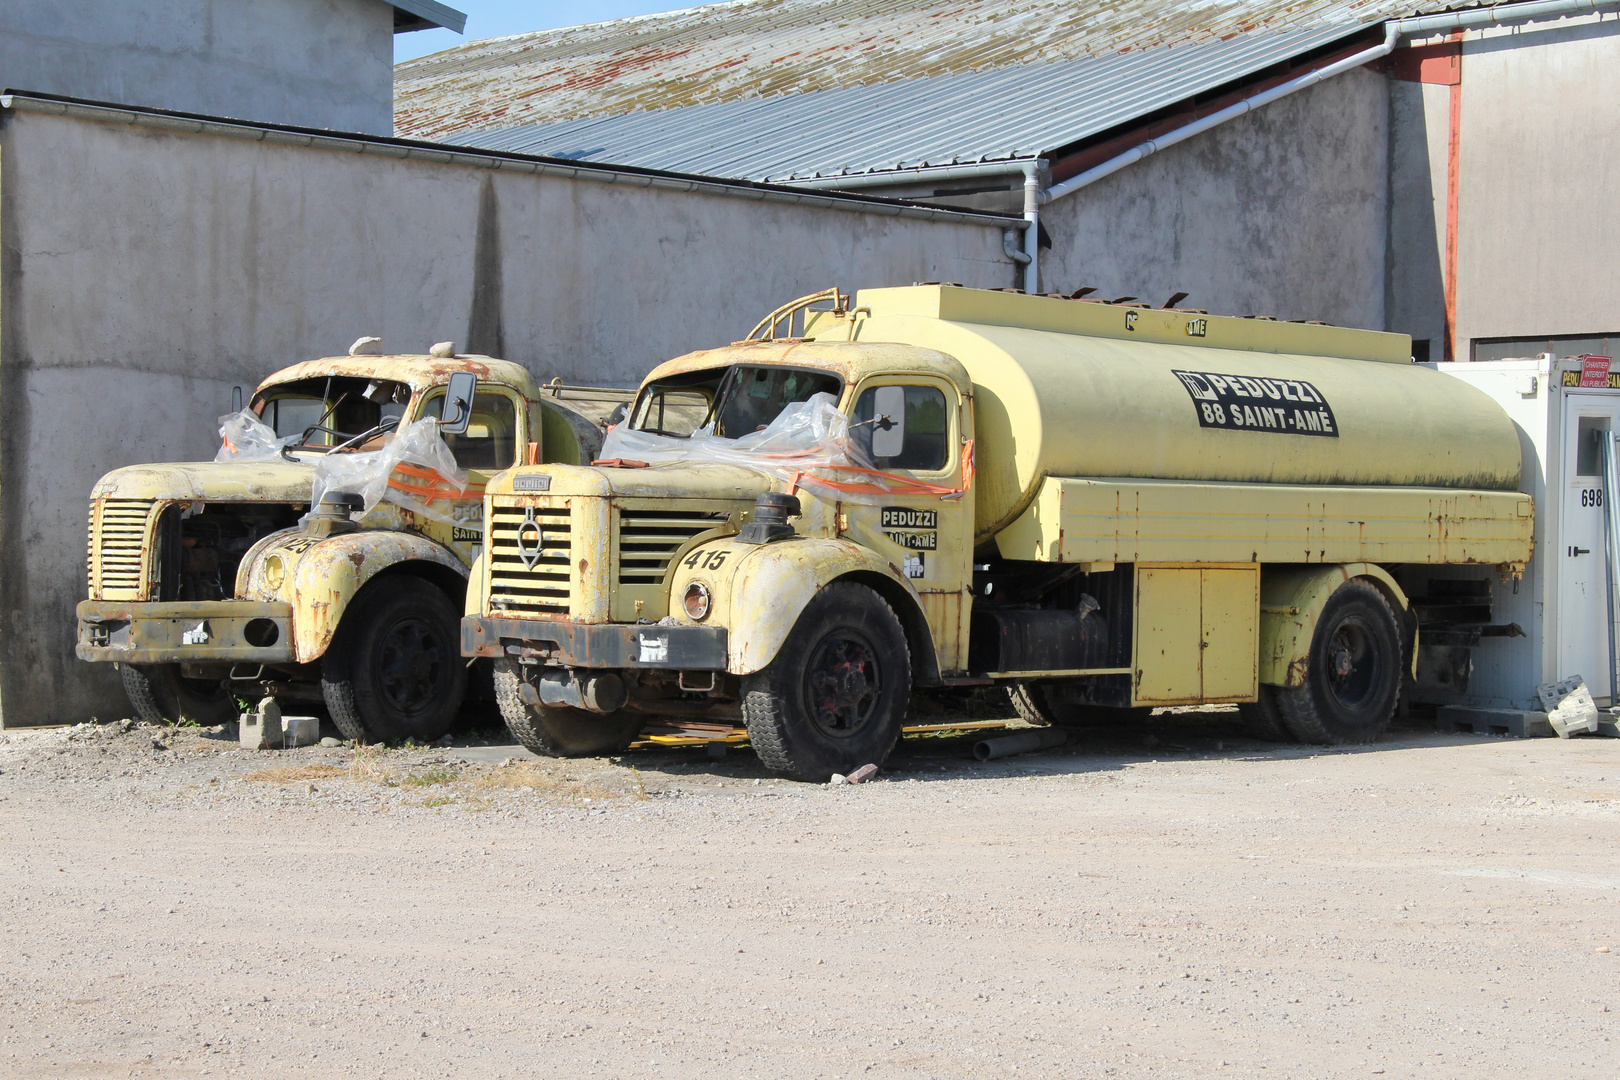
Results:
1536 231
143 273
1280 212
314 63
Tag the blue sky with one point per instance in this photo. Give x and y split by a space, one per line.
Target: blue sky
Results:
497 18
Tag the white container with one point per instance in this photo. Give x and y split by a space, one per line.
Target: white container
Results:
1561 602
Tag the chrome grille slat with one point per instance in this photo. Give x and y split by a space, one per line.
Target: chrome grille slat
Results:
514 587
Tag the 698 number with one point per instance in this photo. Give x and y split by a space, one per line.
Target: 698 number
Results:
1591 496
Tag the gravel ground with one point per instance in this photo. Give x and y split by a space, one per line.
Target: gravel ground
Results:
1176 901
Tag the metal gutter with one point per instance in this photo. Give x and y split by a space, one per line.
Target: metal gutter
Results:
426 15
924 175
496 160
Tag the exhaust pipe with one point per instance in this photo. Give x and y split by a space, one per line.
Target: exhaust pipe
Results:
1022 743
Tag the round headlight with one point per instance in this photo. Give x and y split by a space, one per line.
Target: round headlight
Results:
697 601
275 572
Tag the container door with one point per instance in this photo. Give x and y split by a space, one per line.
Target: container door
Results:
1582 612
1230 623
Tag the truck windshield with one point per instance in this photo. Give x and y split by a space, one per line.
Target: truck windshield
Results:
737 401
329 411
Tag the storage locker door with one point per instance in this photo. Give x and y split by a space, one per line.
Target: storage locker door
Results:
1230 633
1168 635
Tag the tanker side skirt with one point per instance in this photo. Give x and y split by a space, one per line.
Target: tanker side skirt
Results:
1129 520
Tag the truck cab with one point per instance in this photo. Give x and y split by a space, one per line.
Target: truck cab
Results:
1103 508
213 581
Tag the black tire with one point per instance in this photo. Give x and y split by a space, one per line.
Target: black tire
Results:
1036 704
1353 675
161 695
1263 717
835 697
561 732
394 669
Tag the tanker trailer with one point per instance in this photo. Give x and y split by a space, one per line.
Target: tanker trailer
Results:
1097 506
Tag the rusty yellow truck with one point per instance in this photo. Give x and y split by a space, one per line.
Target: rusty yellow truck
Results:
204 587
1098 506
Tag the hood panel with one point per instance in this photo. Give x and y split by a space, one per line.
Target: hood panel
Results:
264 481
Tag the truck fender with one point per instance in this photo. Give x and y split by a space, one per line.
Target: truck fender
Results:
1291 601
330 573
760 590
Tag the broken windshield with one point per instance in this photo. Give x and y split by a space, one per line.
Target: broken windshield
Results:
735 401
330 411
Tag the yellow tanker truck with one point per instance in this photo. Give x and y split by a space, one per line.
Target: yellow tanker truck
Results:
1097 506
206 586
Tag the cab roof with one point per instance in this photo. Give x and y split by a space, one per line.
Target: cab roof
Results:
847 360
417 371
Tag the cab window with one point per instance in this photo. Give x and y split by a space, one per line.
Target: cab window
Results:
331 409
738 400
490 441
903 427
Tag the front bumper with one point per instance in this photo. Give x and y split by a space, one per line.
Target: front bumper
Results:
595 645
187 632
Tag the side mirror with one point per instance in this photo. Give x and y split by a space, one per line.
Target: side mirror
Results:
458 401
888 421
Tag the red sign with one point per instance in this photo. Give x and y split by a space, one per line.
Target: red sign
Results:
1595 371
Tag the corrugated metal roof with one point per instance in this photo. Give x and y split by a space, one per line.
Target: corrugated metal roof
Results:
1009 113
753 49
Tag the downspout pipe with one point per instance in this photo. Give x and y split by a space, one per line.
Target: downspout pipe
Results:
1393 31
1032 226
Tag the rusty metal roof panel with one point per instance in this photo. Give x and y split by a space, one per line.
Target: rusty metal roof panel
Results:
757 50
1001 114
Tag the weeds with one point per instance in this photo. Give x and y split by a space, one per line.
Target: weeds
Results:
294 772
536 778
429 778
368 768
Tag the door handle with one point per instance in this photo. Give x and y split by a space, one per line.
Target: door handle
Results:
1580 551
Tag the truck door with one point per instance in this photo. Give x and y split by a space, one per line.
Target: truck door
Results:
1582 614
914 428
490 444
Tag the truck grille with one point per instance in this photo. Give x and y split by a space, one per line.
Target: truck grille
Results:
516 586
115 548
648 539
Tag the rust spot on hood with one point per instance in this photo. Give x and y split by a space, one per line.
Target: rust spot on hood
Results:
357 557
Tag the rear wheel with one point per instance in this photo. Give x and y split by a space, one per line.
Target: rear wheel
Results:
1353 676
1263 716
560 732
394 670
161 695
835 697
1038 702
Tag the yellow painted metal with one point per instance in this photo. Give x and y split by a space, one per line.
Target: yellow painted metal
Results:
1066 388
1074 520
1196 631
1291 601
320 577
758 590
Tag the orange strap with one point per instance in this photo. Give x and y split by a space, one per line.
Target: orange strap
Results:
901 485
434 486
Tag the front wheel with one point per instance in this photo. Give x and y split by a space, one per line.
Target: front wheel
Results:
1353 675
394 670
559 731
161 695
835 697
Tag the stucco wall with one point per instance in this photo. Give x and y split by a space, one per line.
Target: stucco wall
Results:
314 63
1280 212
146 272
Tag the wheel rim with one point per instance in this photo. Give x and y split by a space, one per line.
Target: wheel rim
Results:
843 684
1352 664
411 664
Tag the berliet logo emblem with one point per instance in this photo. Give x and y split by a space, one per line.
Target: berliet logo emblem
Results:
530 553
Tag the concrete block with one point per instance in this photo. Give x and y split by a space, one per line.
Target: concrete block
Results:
261 728
300 731
1570 708
1518 723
